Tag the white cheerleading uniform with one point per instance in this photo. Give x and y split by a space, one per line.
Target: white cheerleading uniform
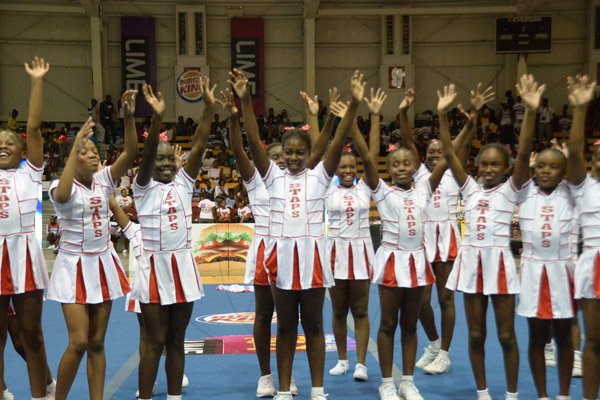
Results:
485 263
587 271
400 261
546 222
256 274
169 275
441 232
349 247
22 264
87 269
296 254
133 233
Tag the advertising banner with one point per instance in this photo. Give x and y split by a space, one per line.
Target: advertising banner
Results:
248 55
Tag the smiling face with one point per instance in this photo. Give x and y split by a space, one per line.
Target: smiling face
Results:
11 150
402 167
165 166
492 167
295 155
550 169
88 160
434 154
346 170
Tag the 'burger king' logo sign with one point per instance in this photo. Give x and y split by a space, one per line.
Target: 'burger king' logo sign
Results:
188 85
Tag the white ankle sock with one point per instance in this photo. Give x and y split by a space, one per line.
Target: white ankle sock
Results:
408 378
484 392
173 397
387 380
563 397
39 398
436 344
317 390
512 396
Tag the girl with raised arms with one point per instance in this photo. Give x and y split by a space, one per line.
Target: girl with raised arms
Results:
295 258
586 192
168 283
23 275
484 266
87 273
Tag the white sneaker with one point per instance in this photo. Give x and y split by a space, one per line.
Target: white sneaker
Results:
428 356
185 382
549 355
408 391
6 395
387 391
486 396
137 392
265 387
51 390
340 368
284 396
125 251
293 387
577 365
440 365
318 396
360 372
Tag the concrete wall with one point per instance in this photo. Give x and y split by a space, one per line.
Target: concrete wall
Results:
444 49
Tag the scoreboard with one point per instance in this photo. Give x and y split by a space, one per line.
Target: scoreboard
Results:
523 35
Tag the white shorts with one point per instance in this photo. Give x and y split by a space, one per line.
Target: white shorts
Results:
87 278
546 289
256 274
167 277
298 263
486 270
587 275
441 239
24 267
399 268
350 259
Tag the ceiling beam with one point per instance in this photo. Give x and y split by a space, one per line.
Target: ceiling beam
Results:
91 7
527 7
41 8
311 8
445 10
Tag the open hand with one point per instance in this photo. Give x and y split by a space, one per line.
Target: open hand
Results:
357 86
445 99
239 82
38 68
530 92
409 99
376 101
581 90
339 109
334 97
156 102
227 102
128 101
479 98
208 93
313 104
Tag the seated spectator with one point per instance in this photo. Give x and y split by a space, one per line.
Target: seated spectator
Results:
124 200
230 199
244 212
564 120
196 191
215 173
53 233
208 160
206 206
11 124
180 126
222 213
219 190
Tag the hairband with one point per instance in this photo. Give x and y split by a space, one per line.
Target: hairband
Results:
348 148
162 137
597 142
391 148
305 128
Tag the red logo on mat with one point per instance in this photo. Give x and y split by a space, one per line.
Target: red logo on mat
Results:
231 318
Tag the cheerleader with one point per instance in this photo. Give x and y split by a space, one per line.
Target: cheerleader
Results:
350 250
87 273
401 269
295 257
441 236
167 283
484 265
586 191
23 275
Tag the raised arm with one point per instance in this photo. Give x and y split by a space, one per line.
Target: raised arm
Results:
130 151
531 94
239 82
332 159
445 99
62 193
35 142
320 146
405 131
235 136
581 91
374 105
312 116
151 145
200 139
371 175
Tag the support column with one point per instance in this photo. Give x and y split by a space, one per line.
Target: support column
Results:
97 58
309 57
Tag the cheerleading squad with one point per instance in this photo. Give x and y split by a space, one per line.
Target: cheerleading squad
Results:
291 264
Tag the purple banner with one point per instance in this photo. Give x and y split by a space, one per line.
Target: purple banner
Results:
138 58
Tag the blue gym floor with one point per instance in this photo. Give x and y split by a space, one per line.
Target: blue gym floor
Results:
234 376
